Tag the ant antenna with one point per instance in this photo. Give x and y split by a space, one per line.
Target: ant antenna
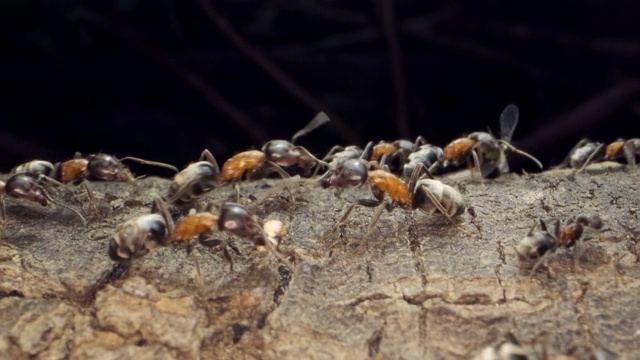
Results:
151 163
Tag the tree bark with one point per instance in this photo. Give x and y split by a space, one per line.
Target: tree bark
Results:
417 288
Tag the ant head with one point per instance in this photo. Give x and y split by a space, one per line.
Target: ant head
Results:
237 220
26 186
108 168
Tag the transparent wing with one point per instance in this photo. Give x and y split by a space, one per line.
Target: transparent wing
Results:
509 121
320 119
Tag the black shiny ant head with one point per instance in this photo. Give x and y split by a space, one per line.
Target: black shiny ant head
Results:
284 154
26 186
108 168
486 144
281 152
350 173
237 220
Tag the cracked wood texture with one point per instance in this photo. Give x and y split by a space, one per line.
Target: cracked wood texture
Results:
421 288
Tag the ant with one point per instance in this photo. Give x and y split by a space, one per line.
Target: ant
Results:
93 167
275 155
80 169
537 245
428 195
586 151
508 349
136 237
583 153
195 180
487 152
396 152
29 187
428 155
630 149
234 219
338 154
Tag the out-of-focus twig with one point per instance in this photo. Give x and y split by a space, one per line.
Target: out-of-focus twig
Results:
606 45
271 69
252 129
323 11
386 9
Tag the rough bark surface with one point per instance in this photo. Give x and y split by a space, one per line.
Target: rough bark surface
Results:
421 288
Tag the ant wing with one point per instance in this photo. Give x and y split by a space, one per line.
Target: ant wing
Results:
508 121
320 119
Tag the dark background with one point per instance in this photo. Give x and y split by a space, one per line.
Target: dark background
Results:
164 79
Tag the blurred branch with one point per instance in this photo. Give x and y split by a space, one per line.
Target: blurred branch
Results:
605 45
325 11
252 129
356 37
386 9
295 89
584 116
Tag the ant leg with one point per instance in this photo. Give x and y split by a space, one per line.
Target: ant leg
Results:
43 178
476 164
196 262
367 151
435 166
420 140
151 163
237 187
161 207
3 215
376 216
577 251
542 259
416 176
332 151
345 216
91 198
285 176
441 208
48 197
227 255
630 152
567 160
310 155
